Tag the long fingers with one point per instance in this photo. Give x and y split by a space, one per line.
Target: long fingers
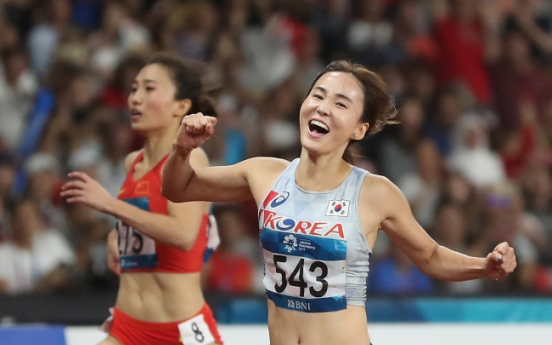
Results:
79 175
72 193
74 184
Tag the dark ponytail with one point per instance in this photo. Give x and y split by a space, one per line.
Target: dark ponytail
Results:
203 104
186 75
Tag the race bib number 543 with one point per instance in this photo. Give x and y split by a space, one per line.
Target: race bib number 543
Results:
305 284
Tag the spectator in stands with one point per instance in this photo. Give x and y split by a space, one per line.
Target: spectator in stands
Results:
233 267
516 79
52 18
18 86
412 33
422 187
445 113
396 274
7 177
450 229
278 125
44 182
119 35
472 157
398 157
35 259
536 24
504 222
538 192
462 28
370 35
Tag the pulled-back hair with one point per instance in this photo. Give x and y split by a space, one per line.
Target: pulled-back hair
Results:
186 76
379 109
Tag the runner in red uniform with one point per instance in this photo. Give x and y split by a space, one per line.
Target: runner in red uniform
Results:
158 246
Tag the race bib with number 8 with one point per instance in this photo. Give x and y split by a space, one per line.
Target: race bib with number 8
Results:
195 331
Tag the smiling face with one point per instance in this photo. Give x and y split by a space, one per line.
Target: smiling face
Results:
151 100
331 114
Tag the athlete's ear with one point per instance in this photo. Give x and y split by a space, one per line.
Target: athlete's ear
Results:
182 107
361 131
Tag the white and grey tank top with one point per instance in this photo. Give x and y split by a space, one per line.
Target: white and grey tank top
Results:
314 250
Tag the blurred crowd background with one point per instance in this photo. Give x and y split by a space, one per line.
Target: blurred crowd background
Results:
472 80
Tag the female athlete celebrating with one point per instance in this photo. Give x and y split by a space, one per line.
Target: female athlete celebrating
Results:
161 244
319 215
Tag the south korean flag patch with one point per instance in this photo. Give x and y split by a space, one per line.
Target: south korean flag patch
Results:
338 208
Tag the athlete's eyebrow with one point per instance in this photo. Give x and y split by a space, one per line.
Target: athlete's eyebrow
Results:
146 81
338 95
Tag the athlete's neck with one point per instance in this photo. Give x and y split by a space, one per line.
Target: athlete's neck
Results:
321 173
157 146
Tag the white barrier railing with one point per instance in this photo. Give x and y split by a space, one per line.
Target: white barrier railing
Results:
382 334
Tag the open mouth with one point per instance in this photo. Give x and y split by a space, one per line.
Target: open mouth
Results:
134 112
318 128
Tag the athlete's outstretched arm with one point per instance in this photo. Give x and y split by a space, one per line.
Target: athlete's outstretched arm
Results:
178 229
433 259
182 182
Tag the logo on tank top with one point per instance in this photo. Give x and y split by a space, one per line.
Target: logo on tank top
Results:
338 208
279 200
142 187
290 243
273 221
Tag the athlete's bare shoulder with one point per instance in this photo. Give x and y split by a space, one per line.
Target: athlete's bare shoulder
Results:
261 173
378 187
380 193
375 180
266 164
130 158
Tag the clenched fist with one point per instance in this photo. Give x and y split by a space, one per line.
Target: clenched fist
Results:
194 130
501 262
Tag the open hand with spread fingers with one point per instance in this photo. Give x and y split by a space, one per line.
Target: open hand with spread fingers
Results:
84 189
501 262
194 130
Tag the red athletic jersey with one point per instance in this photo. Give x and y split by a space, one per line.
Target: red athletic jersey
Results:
140 253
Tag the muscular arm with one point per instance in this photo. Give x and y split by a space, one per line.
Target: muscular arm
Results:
182 182
178 229
431 258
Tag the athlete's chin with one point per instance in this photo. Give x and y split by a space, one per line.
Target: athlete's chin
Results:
138 127
314 149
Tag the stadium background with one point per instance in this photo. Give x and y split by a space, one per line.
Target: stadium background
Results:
472 81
